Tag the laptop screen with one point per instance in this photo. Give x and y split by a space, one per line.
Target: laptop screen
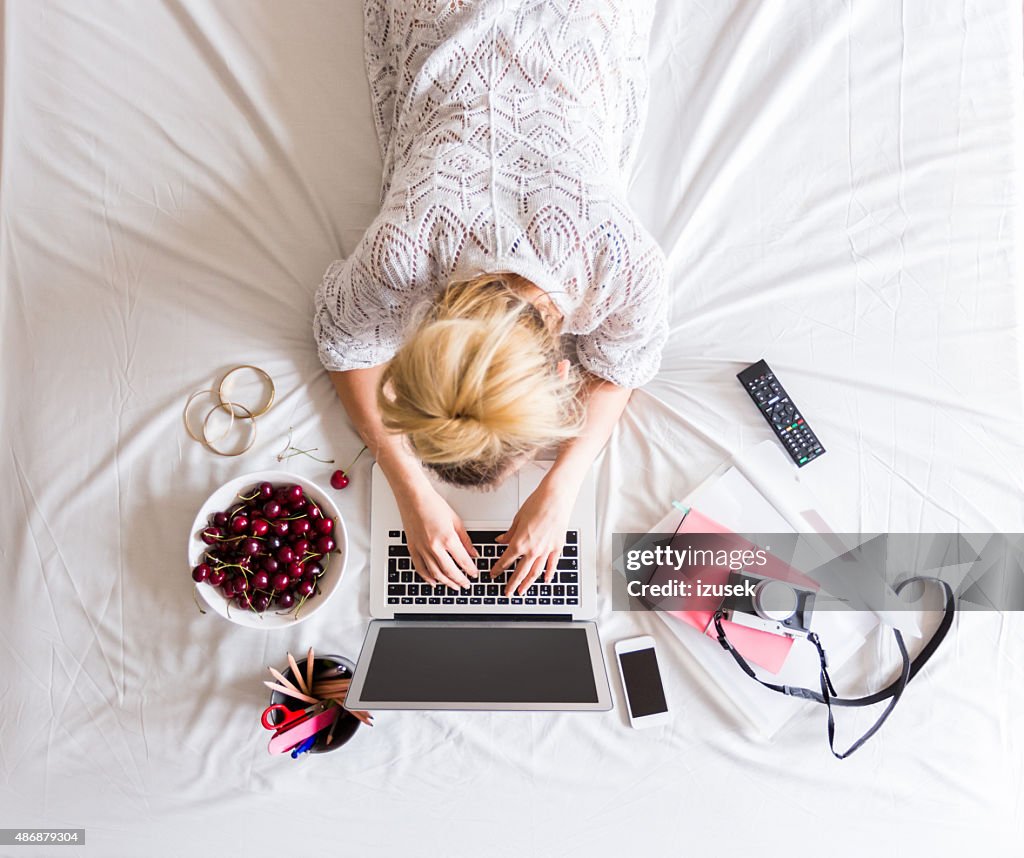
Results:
505 663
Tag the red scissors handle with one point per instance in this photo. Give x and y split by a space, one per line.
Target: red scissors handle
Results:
289 716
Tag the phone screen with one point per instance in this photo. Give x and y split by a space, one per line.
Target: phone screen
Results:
642 679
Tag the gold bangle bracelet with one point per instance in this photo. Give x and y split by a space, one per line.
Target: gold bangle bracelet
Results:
184 416
230 405
230 408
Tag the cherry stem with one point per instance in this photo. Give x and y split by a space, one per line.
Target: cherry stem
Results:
195 599
289 450
287 444
297 452
356 459
220 564
253 496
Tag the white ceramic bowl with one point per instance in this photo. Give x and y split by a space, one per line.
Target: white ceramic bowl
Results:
226 495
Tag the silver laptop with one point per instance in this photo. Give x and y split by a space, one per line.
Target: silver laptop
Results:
433 647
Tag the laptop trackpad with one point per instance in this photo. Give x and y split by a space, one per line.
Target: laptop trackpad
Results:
498 504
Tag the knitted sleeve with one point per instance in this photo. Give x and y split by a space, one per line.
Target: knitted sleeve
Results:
625 347
363 301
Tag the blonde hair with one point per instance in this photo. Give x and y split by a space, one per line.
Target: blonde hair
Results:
476 385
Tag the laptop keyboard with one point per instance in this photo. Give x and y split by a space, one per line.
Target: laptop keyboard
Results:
405 587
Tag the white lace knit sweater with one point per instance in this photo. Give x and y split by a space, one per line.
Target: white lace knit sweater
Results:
506 130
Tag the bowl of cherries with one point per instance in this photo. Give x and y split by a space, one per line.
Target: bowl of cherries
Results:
267 550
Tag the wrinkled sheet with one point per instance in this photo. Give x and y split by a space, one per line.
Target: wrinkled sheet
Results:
837 187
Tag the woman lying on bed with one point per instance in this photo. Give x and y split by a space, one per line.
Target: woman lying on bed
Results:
506 134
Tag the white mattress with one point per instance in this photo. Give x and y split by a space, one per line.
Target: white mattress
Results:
837 186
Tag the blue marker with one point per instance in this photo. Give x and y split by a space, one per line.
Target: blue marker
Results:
303 748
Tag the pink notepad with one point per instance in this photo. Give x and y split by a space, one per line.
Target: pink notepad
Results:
761 648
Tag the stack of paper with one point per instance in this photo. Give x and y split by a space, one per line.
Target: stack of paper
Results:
733 501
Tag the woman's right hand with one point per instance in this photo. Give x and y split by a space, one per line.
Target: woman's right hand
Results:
438 543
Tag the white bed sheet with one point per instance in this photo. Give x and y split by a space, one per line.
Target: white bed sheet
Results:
838 188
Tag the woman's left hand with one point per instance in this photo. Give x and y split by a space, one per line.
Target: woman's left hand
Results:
536 535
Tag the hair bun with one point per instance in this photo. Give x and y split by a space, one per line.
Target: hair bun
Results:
476 386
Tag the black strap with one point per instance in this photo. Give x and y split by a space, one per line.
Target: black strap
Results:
892 692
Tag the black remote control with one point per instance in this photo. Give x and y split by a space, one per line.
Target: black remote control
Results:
782 415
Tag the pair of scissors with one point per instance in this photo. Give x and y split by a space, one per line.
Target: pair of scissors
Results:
295 727
287 718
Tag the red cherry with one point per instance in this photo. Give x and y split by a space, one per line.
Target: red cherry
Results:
300 547
216 578
285 555
281 581
239 524
296 570
280 528
325 544
201 573
261 581
325 526
250 546
306 587
285 600
220 519
271 509
211 535
301 526
266 491
339 479
261 602
240 583
294 493
259 527
315 512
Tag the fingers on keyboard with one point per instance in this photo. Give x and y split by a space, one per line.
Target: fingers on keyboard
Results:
406 586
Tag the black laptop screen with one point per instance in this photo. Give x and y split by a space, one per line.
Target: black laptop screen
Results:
501 664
